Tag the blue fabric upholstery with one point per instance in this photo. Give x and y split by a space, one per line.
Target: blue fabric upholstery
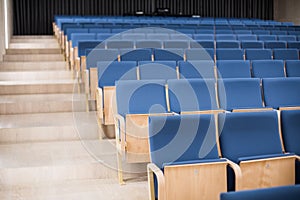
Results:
158 36
176 44
99 30
229 54
96 55
148 44
247 37
286 54
210 44
104 36
249 134
192 95
76 37
203 37
109 72
133 36
199 54
252 45
196 69
71 31
225 37
293 45
292 68
157 70
258 54
121 44
275 45
261 32
267 68
239 93
291 192
136 54
182 138
84 45
286 38
228 44
168 54
281 92
267 37
141 97
233 69
278 32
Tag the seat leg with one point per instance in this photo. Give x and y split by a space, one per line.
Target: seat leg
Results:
120 169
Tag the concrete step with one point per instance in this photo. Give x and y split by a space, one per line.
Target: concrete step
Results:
45 127
33 66
40 103
33 45
33 57
78 190
32 163
35 75
37 87
33 51
33 40
36 37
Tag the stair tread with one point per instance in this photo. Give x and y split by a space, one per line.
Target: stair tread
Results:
37 97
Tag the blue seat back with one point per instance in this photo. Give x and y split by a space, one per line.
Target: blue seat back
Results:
157 70
247 37
96 55
281 92
258 54
267 68
168 54
225 37
76 37
275 45
286 54
69 31
293 45
199 54
209 44
176 44
233 69
192 95
120 44
286 38
136 54
203 37
148 44
141 97
292 68
133 36
110 72
196 69
182 138
249 134
229 54
252 45
239 93
84 45
267 37
228 44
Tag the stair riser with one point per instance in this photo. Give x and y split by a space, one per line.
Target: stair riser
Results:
32 40
32 51
43 134
32 66
21 76
37 89
39 57
33 45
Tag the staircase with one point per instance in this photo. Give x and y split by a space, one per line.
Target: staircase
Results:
49 145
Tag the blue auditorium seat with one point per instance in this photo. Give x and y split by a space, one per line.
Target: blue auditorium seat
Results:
176 36
120 44
229 54
210 44
291 192
247 37
133 36
135 54
288 38
225 37
275 44
267 68
267 37
199 54
96 55
293 45
276 32
261 32
158 36
196 69
241 32
192 95
240 93
292 68
148 44
233 69
286 54
99 30
104 36
203 37
110 72
290 127
185 143
76 37
70 31
157 70
281 92
84 45
204 31
228 44
173 44
258 54
168 54
221 31
252 45
252 140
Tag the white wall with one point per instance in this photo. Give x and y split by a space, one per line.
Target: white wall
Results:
2 25
287 11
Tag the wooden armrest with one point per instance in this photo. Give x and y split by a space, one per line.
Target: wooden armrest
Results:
86 82
77 65
252 110
202 112
290 108
238 174
152 168
298 158
120 127
99 102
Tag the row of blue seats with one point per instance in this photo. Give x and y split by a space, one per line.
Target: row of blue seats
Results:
96 55
109 72
188 142
198 95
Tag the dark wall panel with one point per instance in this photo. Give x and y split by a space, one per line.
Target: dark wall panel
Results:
36 16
